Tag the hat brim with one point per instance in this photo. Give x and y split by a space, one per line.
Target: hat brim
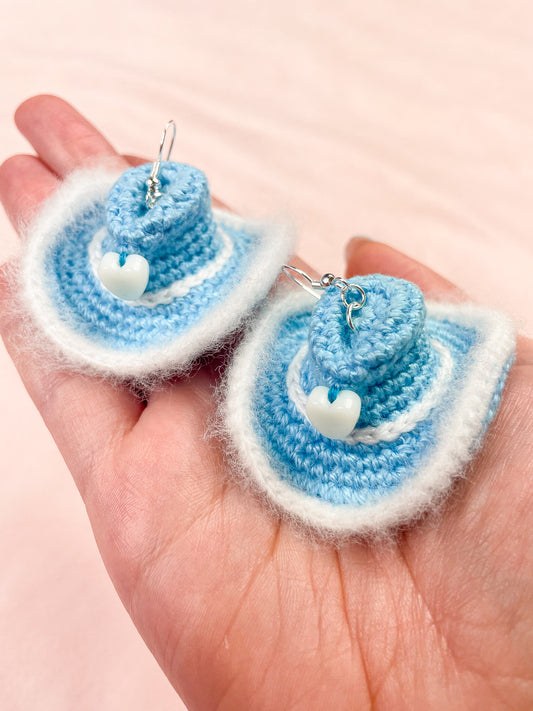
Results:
94 330
359 486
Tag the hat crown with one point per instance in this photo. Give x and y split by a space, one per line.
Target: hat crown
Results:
177 236
387 359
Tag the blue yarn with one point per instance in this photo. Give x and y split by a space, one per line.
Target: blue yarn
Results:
333 393
178 237
389 361
389 333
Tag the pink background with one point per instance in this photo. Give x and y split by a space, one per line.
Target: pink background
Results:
410 122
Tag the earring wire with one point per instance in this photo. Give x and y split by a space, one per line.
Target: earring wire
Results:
153 193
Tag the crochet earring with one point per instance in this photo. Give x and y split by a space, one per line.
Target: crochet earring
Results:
354 413
136 275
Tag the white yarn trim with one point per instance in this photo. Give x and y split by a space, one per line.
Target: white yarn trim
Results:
454 441
176 289
387 431
79 192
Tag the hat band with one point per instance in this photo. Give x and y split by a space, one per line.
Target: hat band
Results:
387 431
176 289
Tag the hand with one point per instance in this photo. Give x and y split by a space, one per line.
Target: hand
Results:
241 611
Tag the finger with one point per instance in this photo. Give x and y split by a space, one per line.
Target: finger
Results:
97 412
85 416
364 256
134 161
25 183
62 137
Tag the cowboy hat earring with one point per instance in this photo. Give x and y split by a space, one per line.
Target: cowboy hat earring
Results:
136 275
354 405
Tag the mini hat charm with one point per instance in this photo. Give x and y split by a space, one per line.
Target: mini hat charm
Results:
135 275
420 382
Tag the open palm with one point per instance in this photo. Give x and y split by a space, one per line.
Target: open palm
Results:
242 611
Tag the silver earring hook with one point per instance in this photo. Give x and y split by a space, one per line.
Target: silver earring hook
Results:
308 284
153 193
312 286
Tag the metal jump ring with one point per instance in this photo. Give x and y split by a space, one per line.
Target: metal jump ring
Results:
356 304
352 306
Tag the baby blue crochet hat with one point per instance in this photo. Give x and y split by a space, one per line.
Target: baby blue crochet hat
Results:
126 290
427 377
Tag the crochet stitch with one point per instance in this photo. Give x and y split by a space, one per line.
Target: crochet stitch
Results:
208 269
429 376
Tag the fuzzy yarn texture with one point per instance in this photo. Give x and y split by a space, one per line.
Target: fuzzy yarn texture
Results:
429 375
208 270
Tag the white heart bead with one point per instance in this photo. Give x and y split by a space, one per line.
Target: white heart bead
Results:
127 282
333 419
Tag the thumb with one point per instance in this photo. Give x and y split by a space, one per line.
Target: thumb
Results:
365 256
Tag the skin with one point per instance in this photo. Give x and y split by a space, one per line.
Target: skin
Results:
241 610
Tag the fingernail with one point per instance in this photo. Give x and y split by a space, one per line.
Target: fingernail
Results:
355 242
